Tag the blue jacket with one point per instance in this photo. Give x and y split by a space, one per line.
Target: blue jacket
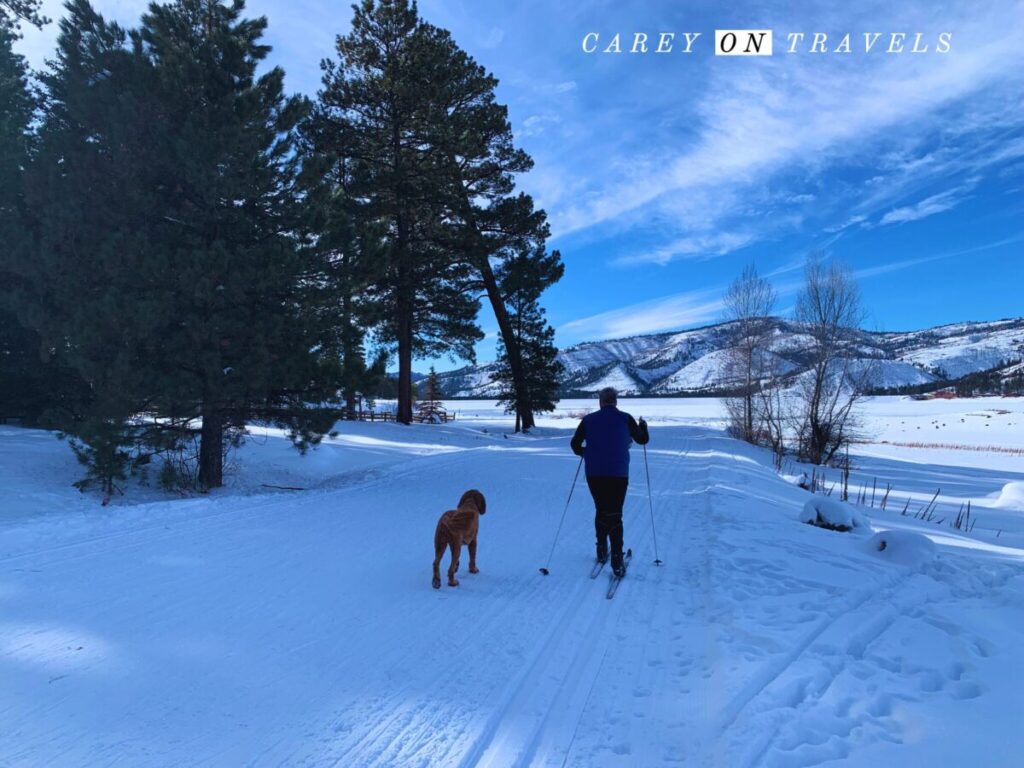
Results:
608 433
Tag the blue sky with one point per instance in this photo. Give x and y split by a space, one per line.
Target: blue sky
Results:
663 175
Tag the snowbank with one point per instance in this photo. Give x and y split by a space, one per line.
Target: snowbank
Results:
902 547
826 513
1011 497
800 480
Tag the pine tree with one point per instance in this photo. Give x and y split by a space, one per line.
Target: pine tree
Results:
20 367
36 386
349 247
237 336
431 409
477 161
172 165
374 114
78 228
13 12
523 278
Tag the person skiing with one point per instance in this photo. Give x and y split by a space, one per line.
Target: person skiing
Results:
603 439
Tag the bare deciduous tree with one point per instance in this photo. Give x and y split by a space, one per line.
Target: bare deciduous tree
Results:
829 308
748 306
772 408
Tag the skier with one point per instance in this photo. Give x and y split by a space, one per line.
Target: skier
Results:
608 434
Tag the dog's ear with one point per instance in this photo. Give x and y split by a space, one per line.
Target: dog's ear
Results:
477 498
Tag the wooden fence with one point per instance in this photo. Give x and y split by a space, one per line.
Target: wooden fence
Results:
390 416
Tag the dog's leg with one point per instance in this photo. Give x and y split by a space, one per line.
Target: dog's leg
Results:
472 557
438 554
440 545
456 547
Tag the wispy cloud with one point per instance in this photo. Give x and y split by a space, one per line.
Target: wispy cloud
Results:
702 245
536 124
895 266
930 206
664 314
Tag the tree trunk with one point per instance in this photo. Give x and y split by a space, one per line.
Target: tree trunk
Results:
524 408
349 355
404 307
404 412
211 450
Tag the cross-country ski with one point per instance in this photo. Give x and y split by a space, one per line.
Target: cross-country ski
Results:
617 578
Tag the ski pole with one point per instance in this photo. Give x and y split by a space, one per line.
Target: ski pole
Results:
650 505
579 466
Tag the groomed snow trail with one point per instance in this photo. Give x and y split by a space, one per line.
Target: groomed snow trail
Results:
301 629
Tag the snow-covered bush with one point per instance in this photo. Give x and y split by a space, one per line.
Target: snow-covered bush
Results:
901 547
834 515
1011 497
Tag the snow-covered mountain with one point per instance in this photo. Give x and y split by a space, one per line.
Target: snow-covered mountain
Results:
692 361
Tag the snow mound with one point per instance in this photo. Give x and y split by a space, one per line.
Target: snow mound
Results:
798 480
836 515
1011 497
902 547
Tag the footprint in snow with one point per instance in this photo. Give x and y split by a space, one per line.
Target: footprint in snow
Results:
966 690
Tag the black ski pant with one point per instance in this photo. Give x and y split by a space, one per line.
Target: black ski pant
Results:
609 495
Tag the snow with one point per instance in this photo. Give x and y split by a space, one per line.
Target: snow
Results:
1011 497
962 349
706 371
821 510
266 627
890 373
617 377
902 548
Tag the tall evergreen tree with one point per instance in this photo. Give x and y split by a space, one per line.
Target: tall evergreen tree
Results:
237 338
349 249
16 342
29 387
374 113
80 222
477 161
169 263
523 277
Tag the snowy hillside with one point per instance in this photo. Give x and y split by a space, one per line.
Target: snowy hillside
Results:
692 361
261 627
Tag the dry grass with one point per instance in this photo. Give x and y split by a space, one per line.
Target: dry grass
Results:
953 447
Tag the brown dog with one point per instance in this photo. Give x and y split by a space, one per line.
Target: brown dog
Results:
455 528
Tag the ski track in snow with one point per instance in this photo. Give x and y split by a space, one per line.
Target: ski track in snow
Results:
302 629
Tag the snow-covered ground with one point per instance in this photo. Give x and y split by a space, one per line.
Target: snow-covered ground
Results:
259 626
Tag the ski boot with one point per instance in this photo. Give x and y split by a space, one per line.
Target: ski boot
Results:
618 566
